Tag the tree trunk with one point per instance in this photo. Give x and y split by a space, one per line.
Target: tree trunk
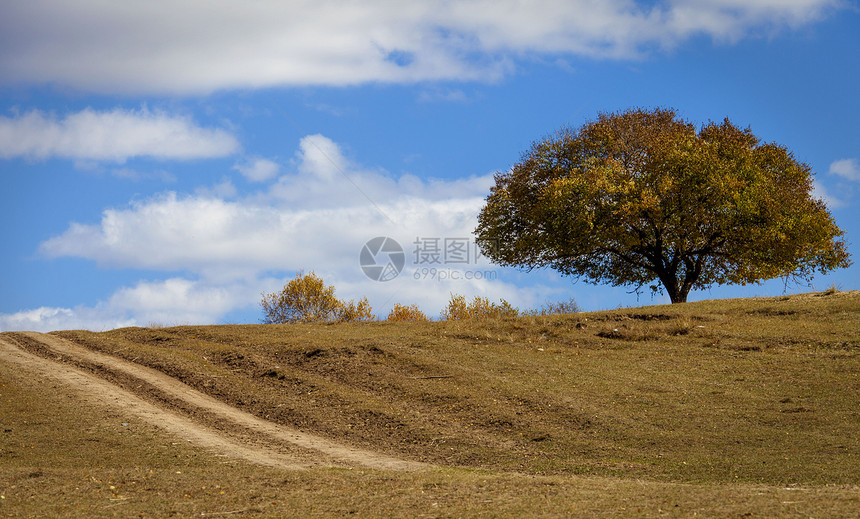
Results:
677 291
677 295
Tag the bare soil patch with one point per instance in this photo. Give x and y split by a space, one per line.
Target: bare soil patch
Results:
695 393
191 414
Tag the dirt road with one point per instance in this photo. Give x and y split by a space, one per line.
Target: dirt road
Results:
249 437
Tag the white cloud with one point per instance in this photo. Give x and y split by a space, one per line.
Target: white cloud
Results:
211 235
180 301
186 47
731 20
326 178
47 319
115 135
847 168
173 301
258 169
317 217
821 193
311 219
321 157
223 189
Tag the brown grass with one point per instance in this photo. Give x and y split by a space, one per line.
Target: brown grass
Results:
758 391
64 457
720 406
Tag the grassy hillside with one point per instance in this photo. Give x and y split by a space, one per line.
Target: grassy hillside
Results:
64 457
762 391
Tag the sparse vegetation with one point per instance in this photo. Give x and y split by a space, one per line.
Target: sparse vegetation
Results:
482 308
832 289
350 311
556 308
401 312
307 299
479 308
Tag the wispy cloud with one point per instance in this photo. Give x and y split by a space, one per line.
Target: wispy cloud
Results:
46 319
443 95
822 193
848 169
115 135
179 47
258 169
135 175
173 301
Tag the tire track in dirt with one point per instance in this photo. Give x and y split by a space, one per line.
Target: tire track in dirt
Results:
328 453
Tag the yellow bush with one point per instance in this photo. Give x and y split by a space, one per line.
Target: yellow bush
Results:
480 307
406 313
457 308
307 298
352 311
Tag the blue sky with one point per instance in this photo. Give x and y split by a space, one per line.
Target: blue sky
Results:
170 161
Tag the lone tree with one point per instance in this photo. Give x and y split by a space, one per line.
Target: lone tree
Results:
640 197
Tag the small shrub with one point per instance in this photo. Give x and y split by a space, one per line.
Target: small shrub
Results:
832 289
480 307
682 325
457 308
557 308
406 313
355 312
504 309
307 298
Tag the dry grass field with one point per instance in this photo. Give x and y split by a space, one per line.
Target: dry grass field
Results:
723 408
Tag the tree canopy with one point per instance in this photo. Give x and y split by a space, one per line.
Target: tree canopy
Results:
643 197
